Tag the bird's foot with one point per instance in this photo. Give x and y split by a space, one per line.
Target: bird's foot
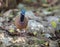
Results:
23 31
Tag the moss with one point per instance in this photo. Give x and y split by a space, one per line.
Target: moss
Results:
50 9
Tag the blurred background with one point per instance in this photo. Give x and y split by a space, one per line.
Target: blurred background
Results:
29 23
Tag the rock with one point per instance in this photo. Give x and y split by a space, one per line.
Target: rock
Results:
48 35
7 13
35 25
53 44
2 19
5 40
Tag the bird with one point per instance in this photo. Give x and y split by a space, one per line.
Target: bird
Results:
21 21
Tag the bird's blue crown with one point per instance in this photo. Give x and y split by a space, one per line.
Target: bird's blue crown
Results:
23 11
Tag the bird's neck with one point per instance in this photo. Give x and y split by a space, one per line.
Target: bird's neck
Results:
22 18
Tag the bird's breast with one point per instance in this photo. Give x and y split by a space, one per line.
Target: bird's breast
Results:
21 25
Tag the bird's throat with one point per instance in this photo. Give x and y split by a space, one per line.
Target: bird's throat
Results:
22 18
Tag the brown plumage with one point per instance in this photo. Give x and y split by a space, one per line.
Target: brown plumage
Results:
18 23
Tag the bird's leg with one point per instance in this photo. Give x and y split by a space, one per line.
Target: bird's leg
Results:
23 30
